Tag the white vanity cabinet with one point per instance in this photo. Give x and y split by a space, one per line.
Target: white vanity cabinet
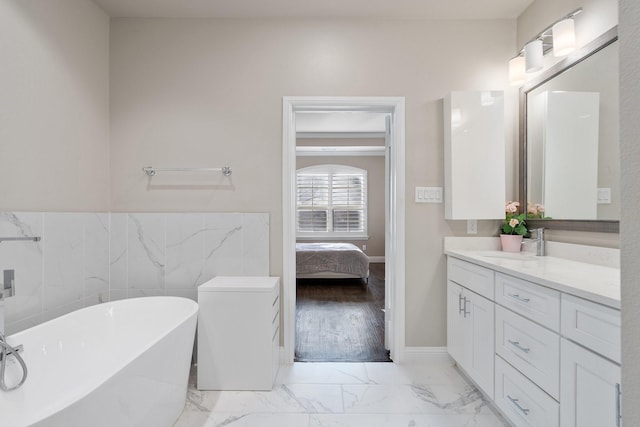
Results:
590 372
554 358
470 321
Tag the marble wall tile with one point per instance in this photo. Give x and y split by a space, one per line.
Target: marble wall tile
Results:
146 251
183 251
61 310
63 262
117 294
26 323
192 294
255 244
222 245
118 244
137 293
89 258
25 258
96 256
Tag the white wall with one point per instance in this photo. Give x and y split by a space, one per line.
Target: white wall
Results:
630 237
207 92
54 107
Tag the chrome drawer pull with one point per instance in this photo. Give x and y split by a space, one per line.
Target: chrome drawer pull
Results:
517 405
465 307
519 298
517 345
460 308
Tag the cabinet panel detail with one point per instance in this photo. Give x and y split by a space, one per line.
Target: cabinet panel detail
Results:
471 276
535 302
522 401
530 348
592 325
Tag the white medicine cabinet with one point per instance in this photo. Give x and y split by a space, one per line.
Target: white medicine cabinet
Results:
474 155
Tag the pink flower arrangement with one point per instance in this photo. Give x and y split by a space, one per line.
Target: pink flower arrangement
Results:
514 222
535 210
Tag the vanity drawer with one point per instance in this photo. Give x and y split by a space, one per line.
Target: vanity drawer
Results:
593 325
535 302
530 348
471 276
522 401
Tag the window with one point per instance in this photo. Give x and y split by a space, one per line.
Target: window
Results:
331 202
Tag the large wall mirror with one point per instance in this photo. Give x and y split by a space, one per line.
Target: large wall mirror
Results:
569 141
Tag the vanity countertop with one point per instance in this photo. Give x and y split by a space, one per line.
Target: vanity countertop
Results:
589 281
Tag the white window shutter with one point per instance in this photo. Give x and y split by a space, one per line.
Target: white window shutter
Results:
331 201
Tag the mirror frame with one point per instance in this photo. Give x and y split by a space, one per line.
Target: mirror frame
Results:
603 226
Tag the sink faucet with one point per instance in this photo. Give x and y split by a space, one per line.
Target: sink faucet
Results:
540 241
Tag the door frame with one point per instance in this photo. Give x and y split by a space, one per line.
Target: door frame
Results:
395 223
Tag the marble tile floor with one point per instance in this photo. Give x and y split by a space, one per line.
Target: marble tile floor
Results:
347 395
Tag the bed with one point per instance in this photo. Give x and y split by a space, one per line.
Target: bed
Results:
330 261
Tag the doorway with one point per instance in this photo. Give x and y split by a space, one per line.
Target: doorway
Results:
394 274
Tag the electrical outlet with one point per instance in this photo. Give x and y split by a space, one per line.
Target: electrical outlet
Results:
364 247
472 226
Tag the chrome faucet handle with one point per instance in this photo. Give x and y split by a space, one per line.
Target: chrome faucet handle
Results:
8 289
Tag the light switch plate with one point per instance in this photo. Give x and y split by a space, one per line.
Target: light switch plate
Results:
428 194
604 196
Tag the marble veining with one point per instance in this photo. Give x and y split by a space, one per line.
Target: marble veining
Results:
228 234
150 246
339 395
11 225
88 258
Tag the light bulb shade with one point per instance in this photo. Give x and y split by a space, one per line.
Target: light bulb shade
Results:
517 74
533 56
564 37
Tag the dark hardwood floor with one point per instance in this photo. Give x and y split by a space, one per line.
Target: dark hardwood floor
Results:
341 320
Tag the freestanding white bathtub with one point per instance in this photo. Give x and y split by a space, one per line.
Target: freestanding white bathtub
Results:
123 363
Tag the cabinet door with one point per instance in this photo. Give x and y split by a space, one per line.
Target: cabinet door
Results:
481 322
589 388
457 334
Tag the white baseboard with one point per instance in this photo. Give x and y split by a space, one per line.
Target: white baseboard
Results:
376 259
427 355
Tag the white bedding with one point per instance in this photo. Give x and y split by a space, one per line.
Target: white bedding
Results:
330 260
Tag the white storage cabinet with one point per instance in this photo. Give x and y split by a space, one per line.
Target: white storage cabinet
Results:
238 333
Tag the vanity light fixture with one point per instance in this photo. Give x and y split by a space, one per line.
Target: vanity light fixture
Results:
517 73
559 36
533 56
564 37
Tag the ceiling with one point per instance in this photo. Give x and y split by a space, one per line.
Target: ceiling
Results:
415 9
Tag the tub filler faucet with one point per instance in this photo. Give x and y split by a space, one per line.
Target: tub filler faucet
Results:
7 290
